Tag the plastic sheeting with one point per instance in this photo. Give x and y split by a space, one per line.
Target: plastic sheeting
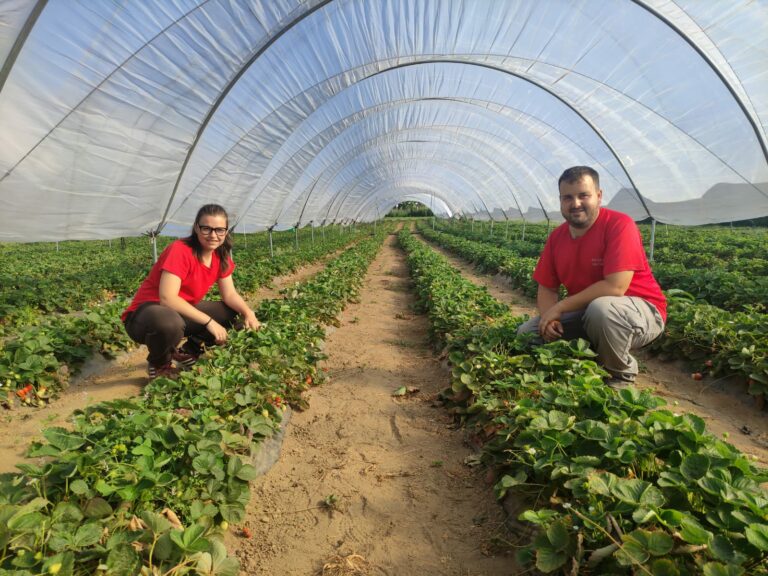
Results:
121 118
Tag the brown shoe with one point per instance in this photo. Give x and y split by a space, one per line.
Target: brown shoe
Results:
185 359
164 371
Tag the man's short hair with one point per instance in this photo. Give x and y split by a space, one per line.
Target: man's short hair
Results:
576 173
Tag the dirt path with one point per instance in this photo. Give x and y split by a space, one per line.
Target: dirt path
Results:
99 380
723 403
366 476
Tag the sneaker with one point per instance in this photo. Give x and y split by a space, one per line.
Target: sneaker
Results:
185 359
164 371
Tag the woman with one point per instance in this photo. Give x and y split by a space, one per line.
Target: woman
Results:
169 303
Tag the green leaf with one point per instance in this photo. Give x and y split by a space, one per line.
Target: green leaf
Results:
402 391
204 463
549 560
693 532
123 560
232 513
694 466
638 492
718 569
67 512
29 522
643 515
757 535
164 547
236 468
155 522
88 535
508 482
103 488
601 484
558 536
664 567
65 562
659 543
198 509
538 517
216 563
671 518
97 508
79 487
191 540
722 548
632 552
63 439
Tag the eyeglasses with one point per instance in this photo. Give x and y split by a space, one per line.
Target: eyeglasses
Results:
207 230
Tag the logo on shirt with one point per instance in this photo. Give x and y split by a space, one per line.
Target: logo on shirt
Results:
597 261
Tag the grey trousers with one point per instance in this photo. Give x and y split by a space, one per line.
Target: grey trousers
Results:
162 328
614 325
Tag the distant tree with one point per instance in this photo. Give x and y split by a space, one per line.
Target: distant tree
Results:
409 209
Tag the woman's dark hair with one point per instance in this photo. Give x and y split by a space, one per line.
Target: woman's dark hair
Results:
225 250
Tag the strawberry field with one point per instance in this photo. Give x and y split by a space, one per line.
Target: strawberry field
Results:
599 481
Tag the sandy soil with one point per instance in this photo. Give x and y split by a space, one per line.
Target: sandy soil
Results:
364 476
723 403
99 380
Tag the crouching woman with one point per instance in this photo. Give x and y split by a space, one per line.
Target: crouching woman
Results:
169 304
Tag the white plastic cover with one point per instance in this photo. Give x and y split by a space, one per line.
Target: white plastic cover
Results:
119 118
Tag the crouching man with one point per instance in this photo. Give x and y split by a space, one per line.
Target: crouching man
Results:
597 254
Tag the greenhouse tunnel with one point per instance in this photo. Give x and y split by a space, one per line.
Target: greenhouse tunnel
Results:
122 118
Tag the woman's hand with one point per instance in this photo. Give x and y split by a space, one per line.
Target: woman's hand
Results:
251 322
217 331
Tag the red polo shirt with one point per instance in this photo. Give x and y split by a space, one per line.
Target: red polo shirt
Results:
612 244
196 278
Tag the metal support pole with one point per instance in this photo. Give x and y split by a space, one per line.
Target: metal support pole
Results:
322 231
245 240
522 239
154 247
271 248
296 235
312 227
491 232
653 238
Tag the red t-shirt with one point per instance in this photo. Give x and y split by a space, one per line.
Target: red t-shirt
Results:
196 278
612 244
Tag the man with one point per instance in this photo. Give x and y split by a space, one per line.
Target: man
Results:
597 254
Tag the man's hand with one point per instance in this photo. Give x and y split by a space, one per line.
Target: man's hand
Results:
550 327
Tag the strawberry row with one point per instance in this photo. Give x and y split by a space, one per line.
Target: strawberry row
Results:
719 341
39 279
149 484
604 482
36 361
